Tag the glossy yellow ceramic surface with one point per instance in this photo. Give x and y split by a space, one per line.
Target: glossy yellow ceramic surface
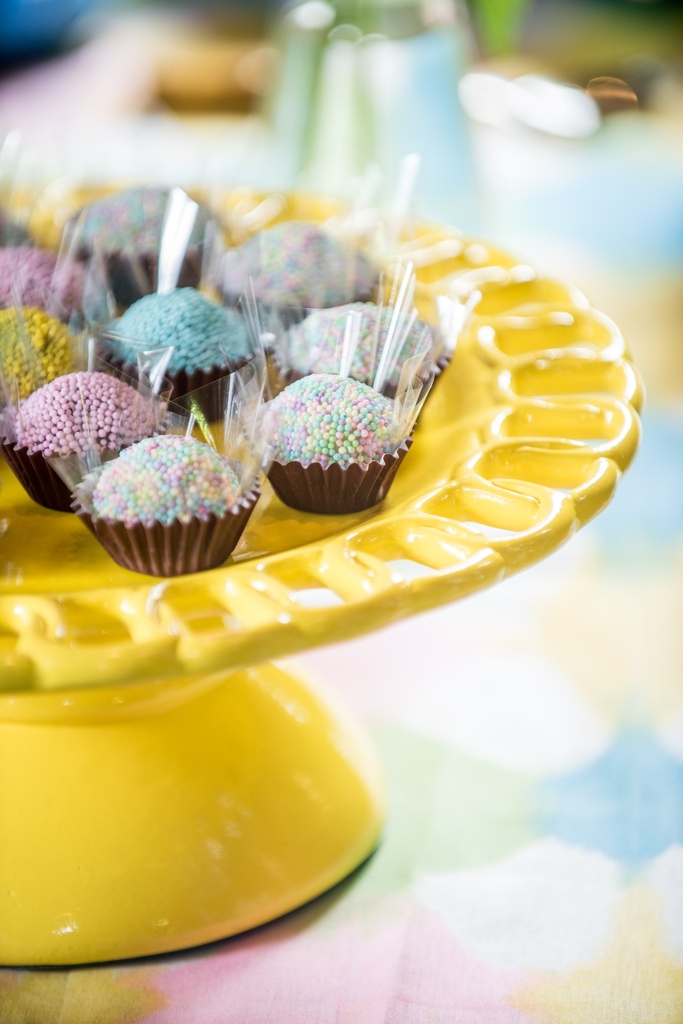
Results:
157 791
175 818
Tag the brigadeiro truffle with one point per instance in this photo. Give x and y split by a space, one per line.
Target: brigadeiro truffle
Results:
34 348
316 344
41 280
334 444
209 340
296 264
167 505
75 414
126 228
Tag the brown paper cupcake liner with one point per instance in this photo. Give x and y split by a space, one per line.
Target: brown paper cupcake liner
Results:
441 364
333 490
183 383
37 477
174 550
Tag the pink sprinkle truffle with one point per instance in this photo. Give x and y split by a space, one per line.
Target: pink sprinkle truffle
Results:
81 412
36 276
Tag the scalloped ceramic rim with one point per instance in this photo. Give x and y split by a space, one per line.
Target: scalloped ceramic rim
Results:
522 442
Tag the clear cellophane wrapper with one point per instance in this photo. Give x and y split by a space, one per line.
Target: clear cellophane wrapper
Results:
20 185
293 272
329 488
293 265
35 348
161 239
112 322
371 342
450 304
50 393
47 278
193 543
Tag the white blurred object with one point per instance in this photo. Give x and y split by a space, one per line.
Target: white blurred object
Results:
532 101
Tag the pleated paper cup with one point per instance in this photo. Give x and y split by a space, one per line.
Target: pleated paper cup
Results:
332 490
168 550
35 474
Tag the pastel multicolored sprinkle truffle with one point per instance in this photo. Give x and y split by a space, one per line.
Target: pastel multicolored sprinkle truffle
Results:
298 264
82 412
131 217
204 334
328 419
165 479
34 348
315 345
126 230
39 277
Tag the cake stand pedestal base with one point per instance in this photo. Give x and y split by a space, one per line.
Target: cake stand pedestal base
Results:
151 818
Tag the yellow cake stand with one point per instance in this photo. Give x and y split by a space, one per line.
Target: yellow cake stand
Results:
161 783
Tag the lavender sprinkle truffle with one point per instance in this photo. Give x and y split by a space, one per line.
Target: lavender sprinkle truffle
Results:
328 419
204 334
80 412
163 480
315 345
299 264
39 276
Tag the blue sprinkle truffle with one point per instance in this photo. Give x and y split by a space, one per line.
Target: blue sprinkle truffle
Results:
205 335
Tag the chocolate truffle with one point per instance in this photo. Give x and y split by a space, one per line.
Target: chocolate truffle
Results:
298 264
163 479
328 419
204 334
315 345
81 412
131 217
39 278
166 506
33 352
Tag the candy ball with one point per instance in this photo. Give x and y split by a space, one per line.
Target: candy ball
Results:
298 264
204 334
37 278
83 411
132 217
33 352
163 479
326 419
316 344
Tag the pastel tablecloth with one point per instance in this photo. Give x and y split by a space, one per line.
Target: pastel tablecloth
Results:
532 866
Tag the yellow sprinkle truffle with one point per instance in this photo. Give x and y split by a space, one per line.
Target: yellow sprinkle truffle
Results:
33 353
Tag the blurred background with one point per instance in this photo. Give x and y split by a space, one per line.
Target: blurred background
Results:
554 127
